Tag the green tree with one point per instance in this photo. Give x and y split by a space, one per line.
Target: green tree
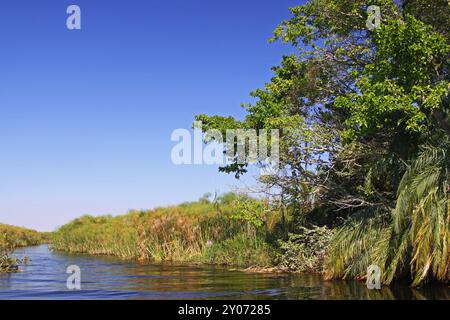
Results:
364 119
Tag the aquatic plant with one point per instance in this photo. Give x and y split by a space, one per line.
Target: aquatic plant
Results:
12 237
240 250
200 231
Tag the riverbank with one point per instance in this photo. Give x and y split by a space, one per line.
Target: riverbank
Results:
105 277
11 238
203 231
238 232
232 230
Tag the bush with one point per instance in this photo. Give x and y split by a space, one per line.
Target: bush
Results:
305 251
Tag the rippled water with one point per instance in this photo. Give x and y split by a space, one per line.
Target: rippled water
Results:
108 278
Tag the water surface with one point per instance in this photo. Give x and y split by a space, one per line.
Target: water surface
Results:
45 277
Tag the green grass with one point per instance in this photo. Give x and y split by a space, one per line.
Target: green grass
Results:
191 232
15 237
240 250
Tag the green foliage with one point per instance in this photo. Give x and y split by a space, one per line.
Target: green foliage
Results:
421 219
251 211
305 251
400 87
418 233
181 233
240 250
15 237
317 20
352 106
434 13
12 237
354 245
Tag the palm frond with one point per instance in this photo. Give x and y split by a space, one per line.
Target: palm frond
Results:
414 239
421 217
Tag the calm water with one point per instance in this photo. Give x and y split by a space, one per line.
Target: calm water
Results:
107 278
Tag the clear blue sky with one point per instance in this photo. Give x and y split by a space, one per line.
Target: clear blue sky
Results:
86 116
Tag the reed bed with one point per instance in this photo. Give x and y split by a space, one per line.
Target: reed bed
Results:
12 237
192 232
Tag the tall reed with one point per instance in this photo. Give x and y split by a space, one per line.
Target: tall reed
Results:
12 237
190 232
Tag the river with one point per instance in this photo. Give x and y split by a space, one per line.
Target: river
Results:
45 277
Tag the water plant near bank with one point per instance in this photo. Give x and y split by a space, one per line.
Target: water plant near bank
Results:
12 237
202 231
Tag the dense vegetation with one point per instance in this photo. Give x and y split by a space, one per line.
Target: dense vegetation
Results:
15 237
364 117
204 231
232 229
365 135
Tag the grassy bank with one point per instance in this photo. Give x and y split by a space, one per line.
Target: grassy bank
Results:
203 231
12 237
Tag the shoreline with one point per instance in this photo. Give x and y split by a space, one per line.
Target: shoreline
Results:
230 268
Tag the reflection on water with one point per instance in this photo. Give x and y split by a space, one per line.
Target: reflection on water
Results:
107 278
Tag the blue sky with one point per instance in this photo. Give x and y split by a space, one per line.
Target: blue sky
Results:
86 115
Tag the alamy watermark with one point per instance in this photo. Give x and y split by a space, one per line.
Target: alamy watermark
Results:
373 277
74 280
73 22
240 146
373 17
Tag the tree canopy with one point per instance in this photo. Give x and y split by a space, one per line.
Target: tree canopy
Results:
365 126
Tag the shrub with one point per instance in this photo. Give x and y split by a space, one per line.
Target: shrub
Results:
304 251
